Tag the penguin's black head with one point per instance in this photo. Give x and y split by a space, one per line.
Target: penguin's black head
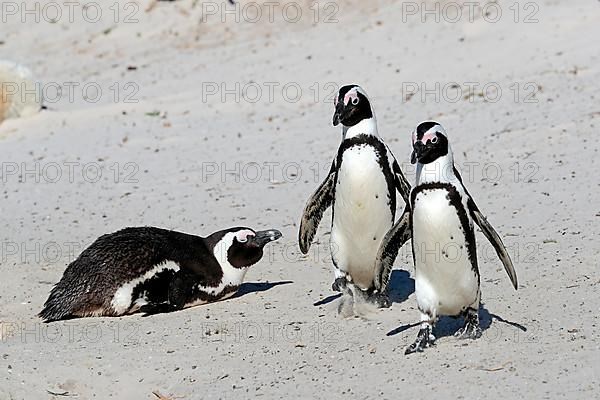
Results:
242 247
429 142
351 106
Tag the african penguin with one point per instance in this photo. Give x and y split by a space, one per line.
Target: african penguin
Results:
440 221
154 270
361 188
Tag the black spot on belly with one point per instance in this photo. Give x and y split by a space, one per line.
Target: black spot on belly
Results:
376 196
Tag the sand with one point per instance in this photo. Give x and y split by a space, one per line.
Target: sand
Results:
171 141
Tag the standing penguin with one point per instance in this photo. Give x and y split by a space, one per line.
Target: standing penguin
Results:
361 187
154 270
440 221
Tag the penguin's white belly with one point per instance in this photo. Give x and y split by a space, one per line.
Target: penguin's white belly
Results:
362 215
445 281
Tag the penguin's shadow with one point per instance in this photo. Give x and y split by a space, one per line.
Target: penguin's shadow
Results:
401 286
253 287
448 326
327 300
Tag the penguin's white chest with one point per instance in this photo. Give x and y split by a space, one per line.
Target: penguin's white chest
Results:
446 283
361 215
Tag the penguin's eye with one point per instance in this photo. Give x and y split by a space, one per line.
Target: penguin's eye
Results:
434 140
355 101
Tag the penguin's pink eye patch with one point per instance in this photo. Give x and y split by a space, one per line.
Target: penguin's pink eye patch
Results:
429 136
351 96
242 236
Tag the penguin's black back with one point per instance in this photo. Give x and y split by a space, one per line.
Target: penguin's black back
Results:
90 281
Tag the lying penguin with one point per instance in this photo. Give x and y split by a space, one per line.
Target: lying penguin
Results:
440 221
154 270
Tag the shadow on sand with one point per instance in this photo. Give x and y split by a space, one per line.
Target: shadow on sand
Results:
253 287
244 289
327 299
447 326
400 287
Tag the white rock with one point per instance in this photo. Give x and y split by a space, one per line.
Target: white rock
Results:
20 95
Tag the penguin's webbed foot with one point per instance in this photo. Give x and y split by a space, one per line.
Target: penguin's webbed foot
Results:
424 339
471 329
381 300
339 284
156 308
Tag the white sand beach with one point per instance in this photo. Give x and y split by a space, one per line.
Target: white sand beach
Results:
188 116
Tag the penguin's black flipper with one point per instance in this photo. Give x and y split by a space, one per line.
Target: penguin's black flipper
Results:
493 237
314 209
181 290
490 233
402 184
388 250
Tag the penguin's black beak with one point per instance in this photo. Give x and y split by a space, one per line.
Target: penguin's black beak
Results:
418 149
263 237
